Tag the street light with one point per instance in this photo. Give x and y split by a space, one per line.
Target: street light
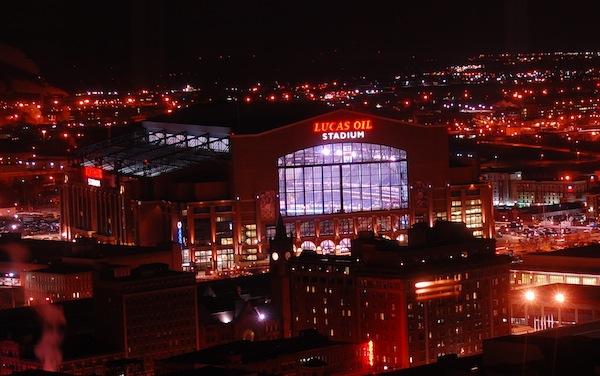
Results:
44 138
529 297
560 299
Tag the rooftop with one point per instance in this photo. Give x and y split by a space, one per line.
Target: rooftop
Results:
244 352
156 149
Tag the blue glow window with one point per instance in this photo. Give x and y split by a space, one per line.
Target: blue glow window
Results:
343 177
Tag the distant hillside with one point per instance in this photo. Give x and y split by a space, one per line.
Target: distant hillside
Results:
21 77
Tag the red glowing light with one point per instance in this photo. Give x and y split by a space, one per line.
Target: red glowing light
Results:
343 125
93 172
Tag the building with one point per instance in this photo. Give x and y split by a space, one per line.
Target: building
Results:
441 294
46 271
592 199
151 314
215 178
55 337
511 189
578 266
56 283
501 186
533 192
565 350
555 288
553 305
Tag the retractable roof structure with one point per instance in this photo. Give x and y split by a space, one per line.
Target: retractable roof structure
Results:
157 148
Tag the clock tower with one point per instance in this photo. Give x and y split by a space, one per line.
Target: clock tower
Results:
281 249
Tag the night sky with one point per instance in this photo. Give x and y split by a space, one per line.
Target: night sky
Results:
88 42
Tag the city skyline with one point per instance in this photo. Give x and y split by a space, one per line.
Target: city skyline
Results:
91 43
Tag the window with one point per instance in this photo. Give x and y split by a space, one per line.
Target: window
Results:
224 230
343 177
225 259
456 211
307 228
441 216
250 254
345 245
203 259
326 227
588 280
556 278
290 228
346 226
403 222
327 246
249 234
270 231
384 223
202 232
473 216
308 246
364 223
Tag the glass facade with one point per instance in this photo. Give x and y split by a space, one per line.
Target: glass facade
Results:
225 259
343 177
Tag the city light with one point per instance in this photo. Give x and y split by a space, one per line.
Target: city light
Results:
530 295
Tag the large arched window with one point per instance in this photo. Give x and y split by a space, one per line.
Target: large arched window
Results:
308 246
343 177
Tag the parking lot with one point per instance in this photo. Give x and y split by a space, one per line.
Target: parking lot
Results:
543 238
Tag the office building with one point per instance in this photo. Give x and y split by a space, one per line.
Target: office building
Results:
56 283
512 189
151 314
441 294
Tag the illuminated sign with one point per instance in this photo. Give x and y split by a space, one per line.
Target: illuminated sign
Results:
342 130
92 172
371 353
93 182
180 234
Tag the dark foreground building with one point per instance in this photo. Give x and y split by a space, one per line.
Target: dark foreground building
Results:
215 179
566 350
306 355
150 314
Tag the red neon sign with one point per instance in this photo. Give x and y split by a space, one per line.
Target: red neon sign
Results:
92 172
342 126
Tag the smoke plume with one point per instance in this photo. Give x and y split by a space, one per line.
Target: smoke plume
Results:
48 350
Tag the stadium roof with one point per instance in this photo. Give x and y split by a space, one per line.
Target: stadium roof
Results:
157 148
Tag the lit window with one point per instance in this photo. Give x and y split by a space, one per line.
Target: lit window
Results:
349 177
